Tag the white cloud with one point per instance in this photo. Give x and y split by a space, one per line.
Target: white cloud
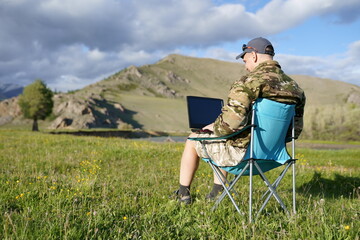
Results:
279 15
221 53
68 82
87 39
344 68
354 52
96 55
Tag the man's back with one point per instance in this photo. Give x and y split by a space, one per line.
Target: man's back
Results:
267 80
274 84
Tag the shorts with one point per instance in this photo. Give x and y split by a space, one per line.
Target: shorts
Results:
220 151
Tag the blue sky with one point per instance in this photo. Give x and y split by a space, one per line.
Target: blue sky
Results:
73 43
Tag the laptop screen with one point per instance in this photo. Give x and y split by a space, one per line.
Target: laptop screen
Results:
202 110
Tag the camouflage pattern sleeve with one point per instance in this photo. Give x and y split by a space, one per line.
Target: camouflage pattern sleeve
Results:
235 113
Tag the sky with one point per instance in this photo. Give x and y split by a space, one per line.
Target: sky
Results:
70 44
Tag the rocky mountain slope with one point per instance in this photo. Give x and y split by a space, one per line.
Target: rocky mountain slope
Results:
9 110
152 97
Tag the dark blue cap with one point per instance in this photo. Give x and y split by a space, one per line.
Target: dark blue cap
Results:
258 45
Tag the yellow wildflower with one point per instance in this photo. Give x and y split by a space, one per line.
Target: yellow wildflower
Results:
347 227
19 196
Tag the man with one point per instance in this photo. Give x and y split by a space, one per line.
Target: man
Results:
264 80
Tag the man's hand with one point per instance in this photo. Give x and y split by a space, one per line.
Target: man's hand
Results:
209 127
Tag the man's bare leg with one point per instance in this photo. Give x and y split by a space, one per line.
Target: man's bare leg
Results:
216 180
189 163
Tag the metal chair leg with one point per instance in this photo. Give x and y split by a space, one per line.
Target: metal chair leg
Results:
294 188
274 185
273 191
225 188
278 180
231 186
250 190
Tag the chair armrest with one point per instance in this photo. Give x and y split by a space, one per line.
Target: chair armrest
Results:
222 137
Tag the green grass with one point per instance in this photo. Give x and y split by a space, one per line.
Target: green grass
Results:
66 187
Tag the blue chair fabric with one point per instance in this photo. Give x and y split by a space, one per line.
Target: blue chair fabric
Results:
272 121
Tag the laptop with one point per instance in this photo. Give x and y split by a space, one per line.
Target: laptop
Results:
202 111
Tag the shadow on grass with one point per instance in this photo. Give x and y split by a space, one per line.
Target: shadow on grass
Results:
341 186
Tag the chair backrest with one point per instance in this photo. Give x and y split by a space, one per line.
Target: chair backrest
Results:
272 120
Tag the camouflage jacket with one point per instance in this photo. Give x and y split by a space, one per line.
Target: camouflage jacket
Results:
267 80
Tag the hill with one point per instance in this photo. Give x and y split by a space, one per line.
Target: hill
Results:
8 90
320 91
152 97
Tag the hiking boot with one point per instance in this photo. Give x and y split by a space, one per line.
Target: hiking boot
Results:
210 197
182 199
217 189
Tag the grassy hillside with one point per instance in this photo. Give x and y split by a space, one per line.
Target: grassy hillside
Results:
152 97
154 108
320 91
155 113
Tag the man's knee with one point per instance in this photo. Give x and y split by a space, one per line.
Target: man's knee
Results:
192 143
193 135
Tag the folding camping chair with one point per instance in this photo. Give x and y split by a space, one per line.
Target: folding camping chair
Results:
267 150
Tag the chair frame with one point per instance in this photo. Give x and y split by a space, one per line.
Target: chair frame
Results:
251 163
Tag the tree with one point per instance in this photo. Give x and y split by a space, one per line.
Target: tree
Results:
36 102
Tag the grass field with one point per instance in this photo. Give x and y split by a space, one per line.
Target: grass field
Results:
66 187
